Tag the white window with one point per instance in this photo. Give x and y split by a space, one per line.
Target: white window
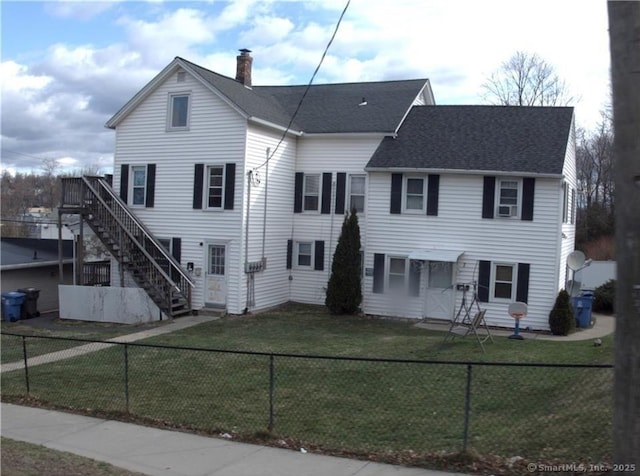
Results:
311 192
504 279
304 254
356 193
138 184
508 191
397 274
414 197
215 186
179 111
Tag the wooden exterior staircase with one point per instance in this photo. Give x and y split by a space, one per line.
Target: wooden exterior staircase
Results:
130 242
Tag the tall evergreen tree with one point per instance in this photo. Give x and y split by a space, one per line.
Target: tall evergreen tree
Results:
344 291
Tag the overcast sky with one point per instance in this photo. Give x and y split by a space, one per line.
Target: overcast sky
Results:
67 67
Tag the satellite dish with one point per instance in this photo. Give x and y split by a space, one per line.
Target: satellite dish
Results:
576 260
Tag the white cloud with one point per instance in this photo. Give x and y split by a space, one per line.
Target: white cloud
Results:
78 9
57 107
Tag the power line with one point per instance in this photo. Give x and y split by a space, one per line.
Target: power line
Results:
295 113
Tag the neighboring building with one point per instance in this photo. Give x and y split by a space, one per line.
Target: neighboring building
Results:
34 263
446 195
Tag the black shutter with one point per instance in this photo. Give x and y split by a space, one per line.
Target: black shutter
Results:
229 186
289 253
528 192
318 260
124 182
151 186
378 273
297 194
396 193
325 206
176 248
414 278
522 289
488 197
341 189
433 191
484 280
198 182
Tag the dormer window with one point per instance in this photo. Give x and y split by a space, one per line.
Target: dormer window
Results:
179 111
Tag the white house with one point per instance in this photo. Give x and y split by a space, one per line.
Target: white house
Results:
247 187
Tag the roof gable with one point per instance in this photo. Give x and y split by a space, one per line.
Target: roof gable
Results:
528 140
327 108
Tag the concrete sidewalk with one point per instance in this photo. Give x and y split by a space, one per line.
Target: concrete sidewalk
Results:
173 326
154 451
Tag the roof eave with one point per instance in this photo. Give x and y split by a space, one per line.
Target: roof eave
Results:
272 125
375 135
39 264
465 172
141 95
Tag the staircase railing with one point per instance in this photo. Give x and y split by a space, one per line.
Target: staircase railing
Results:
133 244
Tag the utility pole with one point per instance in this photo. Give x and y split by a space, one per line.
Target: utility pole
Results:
624 37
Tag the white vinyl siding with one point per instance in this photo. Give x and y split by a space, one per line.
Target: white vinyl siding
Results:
347 154
460 227
216 135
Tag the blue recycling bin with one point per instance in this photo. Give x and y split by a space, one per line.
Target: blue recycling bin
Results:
582 309
12 304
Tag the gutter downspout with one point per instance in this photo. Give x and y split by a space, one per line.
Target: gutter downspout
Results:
264 217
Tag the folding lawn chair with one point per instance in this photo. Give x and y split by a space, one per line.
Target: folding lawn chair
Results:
465 327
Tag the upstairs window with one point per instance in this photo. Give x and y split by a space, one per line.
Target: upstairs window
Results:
179 111
311 192
138 184
215 186
508 192
414 196
357 193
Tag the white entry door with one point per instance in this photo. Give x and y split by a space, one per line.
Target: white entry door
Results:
216 277
439 293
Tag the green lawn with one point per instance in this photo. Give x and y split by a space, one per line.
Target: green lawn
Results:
534 412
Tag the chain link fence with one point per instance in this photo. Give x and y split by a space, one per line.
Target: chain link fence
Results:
536 411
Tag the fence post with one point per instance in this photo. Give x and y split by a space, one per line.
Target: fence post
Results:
467 409
271 390
126 376
26 366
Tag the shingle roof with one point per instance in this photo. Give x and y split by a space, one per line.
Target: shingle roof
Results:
491 138
327 108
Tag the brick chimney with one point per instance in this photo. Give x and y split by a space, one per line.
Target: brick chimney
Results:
243 70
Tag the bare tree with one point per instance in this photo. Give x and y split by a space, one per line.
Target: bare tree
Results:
526 79
624 37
